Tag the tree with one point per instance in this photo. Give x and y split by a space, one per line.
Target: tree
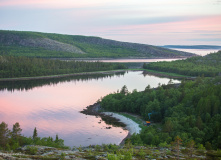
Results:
176 144
190 145
35 134
208 146
199 123
16 131
56 139
124 90
4 134
168 126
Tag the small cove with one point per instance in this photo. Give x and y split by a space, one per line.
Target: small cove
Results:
53 106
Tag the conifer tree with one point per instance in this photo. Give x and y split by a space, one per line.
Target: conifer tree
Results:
4 134
35 134
16 131
176 144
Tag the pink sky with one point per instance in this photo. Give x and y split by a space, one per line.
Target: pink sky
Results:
151 22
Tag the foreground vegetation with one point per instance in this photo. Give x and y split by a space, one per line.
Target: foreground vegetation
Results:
209 66
11 67
113 152
13 139
14 145
191 111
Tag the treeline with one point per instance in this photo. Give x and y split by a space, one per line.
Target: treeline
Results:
13 139
209 66
191 111
11 67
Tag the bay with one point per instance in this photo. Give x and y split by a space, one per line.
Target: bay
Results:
52 106
200 52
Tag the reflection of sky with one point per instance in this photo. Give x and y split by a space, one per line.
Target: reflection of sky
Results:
153 22
55 109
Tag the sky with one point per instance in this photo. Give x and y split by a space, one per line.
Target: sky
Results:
155 22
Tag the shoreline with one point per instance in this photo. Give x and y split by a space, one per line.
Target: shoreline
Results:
114 119
131 126
163 74
60 76
154 73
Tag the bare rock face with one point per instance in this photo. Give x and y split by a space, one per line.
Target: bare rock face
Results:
45 43
50 44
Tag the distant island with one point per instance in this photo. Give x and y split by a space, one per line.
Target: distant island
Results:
192 46
51 45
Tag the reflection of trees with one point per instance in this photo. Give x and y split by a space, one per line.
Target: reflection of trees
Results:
29 84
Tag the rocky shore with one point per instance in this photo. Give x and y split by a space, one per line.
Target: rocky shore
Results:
106 152
113 119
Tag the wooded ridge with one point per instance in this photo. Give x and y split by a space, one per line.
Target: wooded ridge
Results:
209 65
50 45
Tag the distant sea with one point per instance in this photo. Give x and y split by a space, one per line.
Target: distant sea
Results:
201 52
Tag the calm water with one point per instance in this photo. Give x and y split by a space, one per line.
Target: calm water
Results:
138 60
53 106
201 52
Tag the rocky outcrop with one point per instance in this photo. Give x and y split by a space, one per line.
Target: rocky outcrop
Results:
46 43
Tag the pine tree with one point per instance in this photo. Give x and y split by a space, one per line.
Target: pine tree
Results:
177 142
56 139
190 145
4 134
35 134
16 131
124 90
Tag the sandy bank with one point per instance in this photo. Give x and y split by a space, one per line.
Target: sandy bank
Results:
131 126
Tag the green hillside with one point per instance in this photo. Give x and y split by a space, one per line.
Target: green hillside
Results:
190 110
48 45
209 65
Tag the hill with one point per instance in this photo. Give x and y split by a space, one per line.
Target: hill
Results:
190 110
209 65
50 45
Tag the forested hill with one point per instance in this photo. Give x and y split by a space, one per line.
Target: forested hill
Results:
48 45
191 111
209 65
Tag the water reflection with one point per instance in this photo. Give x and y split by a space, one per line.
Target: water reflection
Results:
27 85
52 106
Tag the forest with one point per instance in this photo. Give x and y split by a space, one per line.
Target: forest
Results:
190 110
209 66
13 139
11 67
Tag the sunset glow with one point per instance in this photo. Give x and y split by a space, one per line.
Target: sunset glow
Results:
151 22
